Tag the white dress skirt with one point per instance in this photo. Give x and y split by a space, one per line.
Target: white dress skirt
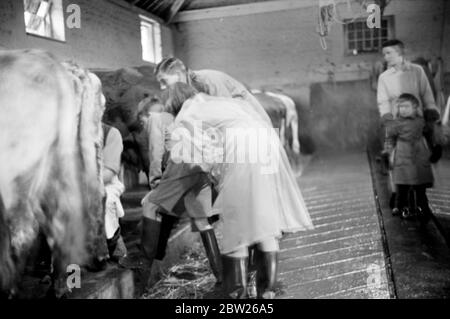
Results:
259 197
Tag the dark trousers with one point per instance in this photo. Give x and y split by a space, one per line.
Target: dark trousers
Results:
405 195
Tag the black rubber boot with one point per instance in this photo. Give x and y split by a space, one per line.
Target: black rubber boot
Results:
112 244
393 201
167 224
252 253
266 275
235 277
251 278
213 253
149 238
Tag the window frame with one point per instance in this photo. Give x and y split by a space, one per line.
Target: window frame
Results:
52 20
390 28
156 38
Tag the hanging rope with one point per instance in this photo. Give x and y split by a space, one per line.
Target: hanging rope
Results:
328 14
325 20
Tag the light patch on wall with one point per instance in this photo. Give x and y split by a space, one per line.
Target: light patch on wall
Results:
45 18
151 40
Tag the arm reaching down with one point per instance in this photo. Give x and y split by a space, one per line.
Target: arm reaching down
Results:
158 129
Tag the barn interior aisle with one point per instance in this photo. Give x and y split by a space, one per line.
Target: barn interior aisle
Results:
417 257
419 253
158 149
343 257
358 249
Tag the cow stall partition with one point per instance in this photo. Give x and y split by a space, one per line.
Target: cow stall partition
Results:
344 115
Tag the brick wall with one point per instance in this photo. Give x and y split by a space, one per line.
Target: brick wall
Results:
446 47
109 36
446 37
282 49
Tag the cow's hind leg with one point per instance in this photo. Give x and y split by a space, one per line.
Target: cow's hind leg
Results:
58 288
7 269
60 253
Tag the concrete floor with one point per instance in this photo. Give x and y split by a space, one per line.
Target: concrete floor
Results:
343 257
357 250
419 256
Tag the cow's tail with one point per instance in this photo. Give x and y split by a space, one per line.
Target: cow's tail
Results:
7 269
89 143
68 224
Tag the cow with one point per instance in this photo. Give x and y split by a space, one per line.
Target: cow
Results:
124 89
50 162
291 121
283 114
274 108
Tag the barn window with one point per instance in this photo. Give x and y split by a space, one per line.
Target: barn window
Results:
362 39
45 18
151 40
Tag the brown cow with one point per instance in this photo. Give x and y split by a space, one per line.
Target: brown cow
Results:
49 160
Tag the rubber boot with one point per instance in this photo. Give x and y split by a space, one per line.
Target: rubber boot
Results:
393 200
112 244
167 224
266 275
251 278
423 207
235 277
213 253
150 238
252 253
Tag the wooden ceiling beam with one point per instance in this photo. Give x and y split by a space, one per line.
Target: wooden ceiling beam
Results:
174 9
245 9
149 4
158 5
137 9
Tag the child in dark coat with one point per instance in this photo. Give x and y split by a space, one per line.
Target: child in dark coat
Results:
411 156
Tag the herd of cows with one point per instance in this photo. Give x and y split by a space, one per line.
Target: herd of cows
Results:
51 159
